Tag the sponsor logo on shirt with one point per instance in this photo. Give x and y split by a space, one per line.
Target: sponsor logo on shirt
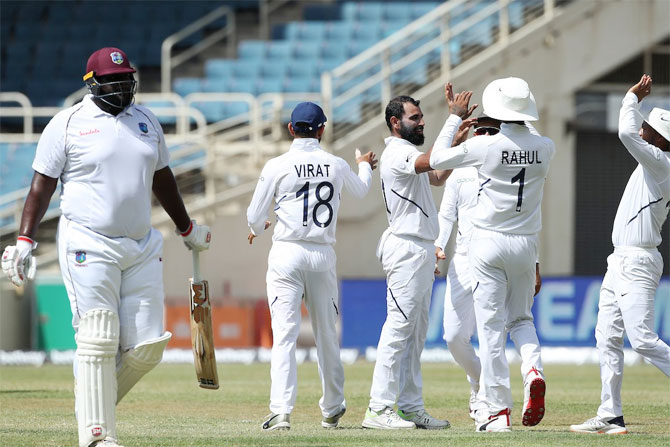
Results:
80 257
143 127
88 132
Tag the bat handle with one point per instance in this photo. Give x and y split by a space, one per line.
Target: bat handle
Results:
196 266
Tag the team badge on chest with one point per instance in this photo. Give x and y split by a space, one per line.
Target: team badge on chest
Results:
80 257
143 127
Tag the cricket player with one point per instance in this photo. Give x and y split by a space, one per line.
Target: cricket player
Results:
512 166
634 269
406 252
305 185
459 203
109 155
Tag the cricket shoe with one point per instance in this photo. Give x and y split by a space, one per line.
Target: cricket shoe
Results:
107 442
423 420
499 422
614 426
277 422
473 405
533 401
387 419
332 421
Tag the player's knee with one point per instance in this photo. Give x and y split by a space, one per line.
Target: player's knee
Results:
98 333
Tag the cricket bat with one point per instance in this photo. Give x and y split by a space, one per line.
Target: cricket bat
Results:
202 338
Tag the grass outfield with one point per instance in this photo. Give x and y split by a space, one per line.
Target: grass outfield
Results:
168 409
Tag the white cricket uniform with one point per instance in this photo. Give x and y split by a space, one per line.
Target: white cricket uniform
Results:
109 255
407 254
458 203
634 269
513 165
305 184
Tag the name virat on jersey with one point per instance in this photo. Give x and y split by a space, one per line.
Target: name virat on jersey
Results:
310 170
520 157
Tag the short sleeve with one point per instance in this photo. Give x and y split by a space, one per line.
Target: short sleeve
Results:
51 154
404 160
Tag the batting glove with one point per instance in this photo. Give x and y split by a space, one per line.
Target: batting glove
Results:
18 262
197 237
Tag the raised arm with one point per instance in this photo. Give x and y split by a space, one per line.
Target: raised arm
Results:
630 121
359 185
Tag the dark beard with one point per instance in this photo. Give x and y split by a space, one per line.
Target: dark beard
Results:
412 135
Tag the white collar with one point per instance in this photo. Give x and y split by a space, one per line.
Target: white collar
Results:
305 144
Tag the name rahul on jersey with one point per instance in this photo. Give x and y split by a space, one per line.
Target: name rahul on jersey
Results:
312 170
520 158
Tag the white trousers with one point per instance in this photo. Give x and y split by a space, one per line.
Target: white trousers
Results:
459 318
627 303
119 274
297 269
409 264
503 275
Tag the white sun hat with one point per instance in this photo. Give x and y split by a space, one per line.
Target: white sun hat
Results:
659 119
509 99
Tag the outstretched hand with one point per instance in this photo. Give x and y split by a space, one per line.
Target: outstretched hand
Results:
251 236
439 255
642 88
369 157
459 104
463 131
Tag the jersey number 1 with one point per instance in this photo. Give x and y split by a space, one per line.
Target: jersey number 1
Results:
520 177
320 201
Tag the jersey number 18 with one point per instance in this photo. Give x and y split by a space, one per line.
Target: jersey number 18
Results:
320 201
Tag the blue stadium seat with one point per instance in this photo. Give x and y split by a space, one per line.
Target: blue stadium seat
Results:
270 85
306 31
304 52
298 85
396 12
219 68
213 111
420 9
276 69
304 69
367 31
339 31
244 85
279 50
186 86
219 85
334 50
246 69
236 108
251 49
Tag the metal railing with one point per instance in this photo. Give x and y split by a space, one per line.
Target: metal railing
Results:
169 62
427 51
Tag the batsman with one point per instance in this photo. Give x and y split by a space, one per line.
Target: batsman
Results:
110 155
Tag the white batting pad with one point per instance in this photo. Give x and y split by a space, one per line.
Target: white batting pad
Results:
97 344
138 361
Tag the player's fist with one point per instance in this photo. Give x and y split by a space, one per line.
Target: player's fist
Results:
197 237
18 262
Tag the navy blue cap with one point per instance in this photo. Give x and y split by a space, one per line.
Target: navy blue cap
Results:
308 116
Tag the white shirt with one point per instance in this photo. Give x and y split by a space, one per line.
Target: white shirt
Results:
106 165
646 200
407 197
305 184
458 202
513 165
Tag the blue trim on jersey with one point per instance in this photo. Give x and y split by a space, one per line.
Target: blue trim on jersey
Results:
646 206
482 187
335 306
410 201
396 302
384 194
473 290
277 205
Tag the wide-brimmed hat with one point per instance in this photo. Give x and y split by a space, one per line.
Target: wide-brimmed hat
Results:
659 119
509 99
